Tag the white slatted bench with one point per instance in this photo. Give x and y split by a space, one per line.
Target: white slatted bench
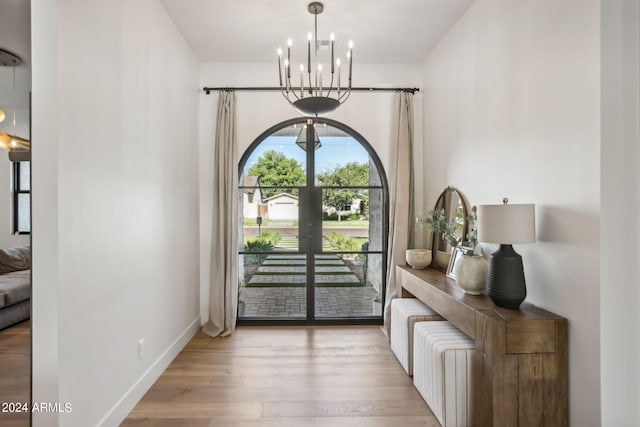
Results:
405 312
441 373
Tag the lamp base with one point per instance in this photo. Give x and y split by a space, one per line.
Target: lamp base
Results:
505 280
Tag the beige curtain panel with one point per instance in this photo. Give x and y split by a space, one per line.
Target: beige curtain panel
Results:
223 279
400 195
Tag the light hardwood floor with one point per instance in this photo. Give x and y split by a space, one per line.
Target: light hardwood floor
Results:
285 376
15 377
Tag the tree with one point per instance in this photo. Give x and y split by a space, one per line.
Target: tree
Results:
350 175
275 169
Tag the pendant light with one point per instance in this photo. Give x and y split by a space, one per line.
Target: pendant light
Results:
11 142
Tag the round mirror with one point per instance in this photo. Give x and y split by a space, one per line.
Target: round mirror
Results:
452 204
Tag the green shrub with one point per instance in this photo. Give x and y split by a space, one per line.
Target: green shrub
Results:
333 237
272 237
329 217
258 244
354 217
342 243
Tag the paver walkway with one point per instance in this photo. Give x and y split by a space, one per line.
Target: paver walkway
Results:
278 289
290 270
280 302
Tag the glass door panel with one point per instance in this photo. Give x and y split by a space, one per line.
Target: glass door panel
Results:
278 160
270 219
358 225
342 161
273 286
344 285
273 276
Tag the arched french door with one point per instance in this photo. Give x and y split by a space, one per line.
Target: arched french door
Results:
313 202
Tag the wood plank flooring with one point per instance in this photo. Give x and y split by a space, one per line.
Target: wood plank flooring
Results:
285 376
15 376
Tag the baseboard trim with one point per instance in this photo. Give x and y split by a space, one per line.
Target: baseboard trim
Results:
121 409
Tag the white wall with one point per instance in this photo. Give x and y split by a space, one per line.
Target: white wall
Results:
115 188
367 113
511 108
620 232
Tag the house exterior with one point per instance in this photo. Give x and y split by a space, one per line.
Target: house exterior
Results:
352 208
282 206
251 197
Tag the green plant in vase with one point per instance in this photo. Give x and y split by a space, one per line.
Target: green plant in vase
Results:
470 270
437 222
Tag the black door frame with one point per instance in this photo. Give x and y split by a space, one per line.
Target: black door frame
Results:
310 197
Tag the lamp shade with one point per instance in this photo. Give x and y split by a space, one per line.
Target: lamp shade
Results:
507 224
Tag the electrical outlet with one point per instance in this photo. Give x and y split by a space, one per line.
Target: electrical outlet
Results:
141 349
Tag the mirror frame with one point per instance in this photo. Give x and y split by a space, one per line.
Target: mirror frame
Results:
441 258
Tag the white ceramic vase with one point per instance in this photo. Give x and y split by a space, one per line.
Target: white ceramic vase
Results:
471 273
418 258
441 259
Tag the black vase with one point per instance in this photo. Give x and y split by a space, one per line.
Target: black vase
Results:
505 280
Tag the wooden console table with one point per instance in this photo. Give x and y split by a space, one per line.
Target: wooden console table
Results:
519 365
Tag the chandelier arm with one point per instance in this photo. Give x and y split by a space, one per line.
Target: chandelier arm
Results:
331 87
287 95
344 96
290 89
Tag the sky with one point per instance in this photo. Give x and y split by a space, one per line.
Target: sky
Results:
335 151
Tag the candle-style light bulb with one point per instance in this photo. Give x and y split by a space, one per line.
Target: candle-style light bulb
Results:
309 37
338 62
288 68
350 57
332 37
279 51
289 44
301 81
350 44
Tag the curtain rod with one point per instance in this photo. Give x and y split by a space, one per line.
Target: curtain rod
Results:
412 91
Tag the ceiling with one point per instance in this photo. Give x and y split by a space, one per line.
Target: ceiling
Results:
383 31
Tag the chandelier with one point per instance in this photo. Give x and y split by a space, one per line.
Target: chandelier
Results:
317 93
